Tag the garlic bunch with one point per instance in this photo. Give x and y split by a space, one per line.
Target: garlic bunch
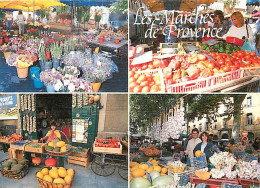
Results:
203 170
176 163
222 159
217 174
249 170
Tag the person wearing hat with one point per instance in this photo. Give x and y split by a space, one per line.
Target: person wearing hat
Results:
52 134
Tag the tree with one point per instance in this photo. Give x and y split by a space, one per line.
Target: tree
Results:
143 108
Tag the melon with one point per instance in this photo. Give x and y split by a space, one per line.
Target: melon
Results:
198 153
154 174
162 180
63 149
158 168
68 179
53 173
55 141
50 144
139 182
203 175
45 171
60 144
47 178
144 166
62 172
150 169
164 170
49 148
138 172
39 175
132 164
70 172
56 150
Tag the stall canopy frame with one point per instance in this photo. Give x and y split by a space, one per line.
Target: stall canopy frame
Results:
88 2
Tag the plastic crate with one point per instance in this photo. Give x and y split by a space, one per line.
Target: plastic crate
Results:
213 183
203 83
246 182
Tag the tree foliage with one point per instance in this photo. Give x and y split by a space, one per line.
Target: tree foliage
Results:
120 5
143 108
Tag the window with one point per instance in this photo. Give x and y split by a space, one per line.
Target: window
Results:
249 118
224 124
249 101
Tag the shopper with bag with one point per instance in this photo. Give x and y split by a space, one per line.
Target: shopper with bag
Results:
21 19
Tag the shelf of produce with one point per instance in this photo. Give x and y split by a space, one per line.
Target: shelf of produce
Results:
246 182
213 183
28 148
82 161
84 152
107 150
20 145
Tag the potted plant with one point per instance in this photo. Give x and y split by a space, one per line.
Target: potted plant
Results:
23 62
97 19
44 56
79 17
86 19
56 52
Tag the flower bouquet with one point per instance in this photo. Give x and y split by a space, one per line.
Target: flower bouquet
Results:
50 77
74 58
44 56
11 60
23 62
32 32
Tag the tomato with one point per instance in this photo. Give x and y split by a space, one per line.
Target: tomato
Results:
201 57
211 65
247 57
228 61
144 83
226 68
236 63
137 89
154 89
144 67
146 89
156 63
132 85
252 54
221 61
235 54
142 77
241 53
136 76
134 69
131 73
213 54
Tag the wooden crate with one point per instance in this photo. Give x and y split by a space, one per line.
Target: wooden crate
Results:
17 147
82 161
85 154
107 150
35 150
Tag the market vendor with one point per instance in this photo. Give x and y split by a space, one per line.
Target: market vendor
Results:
220 22
206 147
239 29
192 143
52 134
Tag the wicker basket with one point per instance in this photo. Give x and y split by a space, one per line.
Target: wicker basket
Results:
14 174
176 169
46 184
59 153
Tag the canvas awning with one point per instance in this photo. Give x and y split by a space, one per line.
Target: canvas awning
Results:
29 5
88 2
186 5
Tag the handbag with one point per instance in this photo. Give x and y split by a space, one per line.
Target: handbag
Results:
249 44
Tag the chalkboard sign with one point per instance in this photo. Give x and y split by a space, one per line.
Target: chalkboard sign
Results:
228 185
248 158
239 154
199 162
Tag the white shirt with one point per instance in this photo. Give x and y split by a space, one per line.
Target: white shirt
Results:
203 147
240 32
9 17
191 145
21 18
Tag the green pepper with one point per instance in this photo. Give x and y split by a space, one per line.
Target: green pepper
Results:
221 50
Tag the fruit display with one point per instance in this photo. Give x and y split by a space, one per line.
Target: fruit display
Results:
13 168
50 162
151 151
35 147
220 47
55 177
11 139
217 61
149 174
57 146
108 143
36 161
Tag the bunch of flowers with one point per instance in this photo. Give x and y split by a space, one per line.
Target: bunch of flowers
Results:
48 42
24 61
32 32
56 50
11 60
74 58
100 70
31 47
50 76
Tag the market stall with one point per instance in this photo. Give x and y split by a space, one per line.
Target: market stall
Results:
98 51
76 128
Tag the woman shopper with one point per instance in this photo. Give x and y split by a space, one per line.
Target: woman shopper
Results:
206 147
21 19
9 21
